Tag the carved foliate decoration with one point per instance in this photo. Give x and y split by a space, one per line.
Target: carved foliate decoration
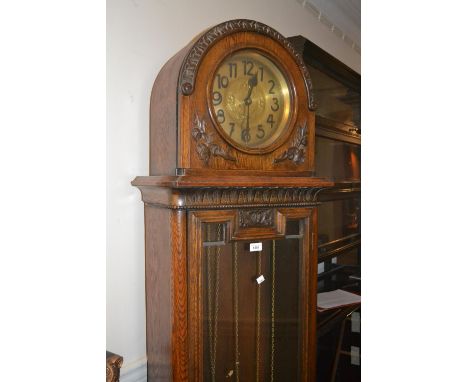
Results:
190 65
256 218
246 197
113 365
206 148
296 152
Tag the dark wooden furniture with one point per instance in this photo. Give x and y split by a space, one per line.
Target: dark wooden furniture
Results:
337 91
231 228
113 365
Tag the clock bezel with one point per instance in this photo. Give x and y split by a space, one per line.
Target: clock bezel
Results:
281 136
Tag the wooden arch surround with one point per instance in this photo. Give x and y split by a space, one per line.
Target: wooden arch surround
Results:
184 139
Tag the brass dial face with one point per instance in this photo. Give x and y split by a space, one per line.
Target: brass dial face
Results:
250 100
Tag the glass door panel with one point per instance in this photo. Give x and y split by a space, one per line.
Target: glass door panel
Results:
252 306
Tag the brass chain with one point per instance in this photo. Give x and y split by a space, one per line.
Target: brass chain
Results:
259 270
213 311
236 314
215 340
273 260
210 315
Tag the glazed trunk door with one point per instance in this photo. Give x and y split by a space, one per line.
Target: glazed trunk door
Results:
251 307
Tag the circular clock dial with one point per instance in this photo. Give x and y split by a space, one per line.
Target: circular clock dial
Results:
250 100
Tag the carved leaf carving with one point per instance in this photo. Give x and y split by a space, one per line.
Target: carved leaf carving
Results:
206 148
256 197
296 152
256 218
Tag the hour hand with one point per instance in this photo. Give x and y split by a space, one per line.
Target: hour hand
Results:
253 81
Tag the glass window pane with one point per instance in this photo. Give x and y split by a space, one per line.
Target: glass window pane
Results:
335 101
337 160
338 219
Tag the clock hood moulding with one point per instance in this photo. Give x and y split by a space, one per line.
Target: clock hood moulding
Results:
185 137
204 40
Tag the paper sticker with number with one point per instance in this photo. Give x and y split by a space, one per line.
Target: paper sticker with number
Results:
254 247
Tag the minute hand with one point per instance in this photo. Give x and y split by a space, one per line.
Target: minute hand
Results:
246 132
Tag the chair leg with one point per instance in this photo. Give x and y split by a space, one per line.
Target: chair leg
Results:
338 352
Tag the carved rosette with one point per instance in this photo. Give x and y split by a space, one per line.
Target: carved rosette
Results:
256 218
190 65
206 148
296 152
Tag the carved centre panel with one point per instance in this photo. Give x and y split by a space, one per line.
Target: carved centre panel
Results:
256 218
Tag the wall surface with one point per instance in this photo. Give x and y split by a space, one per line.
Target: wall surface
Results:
141 36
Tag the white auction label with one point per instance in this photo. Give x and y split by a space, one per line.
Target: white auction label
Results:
255 247
260 279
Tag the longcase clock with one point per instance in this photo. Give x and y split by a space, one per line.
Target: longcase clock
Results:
230 211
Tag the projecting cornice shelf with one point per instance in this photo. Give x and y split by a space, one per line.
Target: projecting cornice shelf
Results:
238 181
220 192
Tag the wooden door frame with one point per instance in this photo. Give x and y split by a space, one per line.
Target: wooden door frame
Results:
308 282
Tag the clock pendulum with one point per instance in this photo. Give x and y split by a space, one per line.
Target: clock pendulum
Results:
213 310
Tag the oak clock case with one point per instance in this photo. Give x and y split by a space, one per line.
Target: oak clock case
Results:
231 211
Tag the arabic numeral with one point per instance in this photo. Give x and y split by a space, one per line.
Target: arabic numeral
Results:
217 98
232 70
272 86
248 66
223 81
270 120
245 135
220 116
275 105
260 132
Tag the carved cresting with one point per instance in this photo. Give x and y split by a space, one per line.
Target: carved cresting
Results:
296 152
198 50
206 148
256 218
